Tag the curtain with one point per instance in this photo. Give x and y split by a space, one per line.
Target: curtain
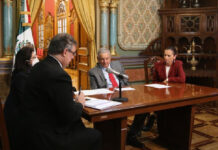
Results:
34 5
86 13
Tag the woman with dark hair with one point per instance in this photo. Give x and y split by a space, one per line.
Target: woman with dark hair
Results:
24 61
169 70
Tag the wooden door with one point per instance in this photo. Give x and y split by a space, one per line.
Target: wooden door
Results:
83 58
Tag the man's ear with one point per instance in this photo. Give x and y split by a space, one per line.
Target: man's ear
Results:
64 52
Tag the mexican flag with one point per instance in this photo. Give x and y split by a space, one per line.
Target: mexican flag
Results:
24 36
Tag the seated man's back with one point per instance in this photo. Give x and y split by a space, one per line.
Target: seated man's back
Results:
50 117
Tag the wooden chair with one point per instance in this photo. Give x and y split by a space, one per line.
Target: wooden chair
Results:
149 67
3 130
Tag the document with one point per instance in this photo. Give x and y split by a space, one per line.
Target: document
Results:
95 91
125 89
100 103
159 86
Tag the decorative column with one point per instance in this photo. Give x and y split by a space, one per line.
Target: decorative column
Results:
1 36
113 26
8 28
104 4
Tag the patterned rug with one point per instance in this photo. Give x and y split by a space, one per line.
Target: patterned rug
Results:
204 135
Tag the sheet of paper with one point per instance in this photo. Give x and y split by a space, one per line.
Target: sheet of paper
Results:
95 91
125 89
159 86
100 103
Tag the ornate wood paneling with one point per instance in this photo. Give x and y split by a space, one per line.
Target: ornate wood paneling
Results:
74 25
83 59
49 31
192 26
41 28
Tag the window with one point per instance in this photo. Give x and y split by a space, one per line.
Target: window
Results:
62 17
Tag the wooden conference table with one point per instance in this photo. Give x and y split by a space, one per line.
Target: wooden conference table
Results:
175 106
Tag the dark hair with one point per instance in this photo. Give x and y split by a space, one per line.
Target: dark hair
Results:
22 59
60 42
173 49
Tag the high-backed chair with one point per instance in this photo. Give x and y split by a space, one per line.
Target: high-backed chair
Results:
149 70
3 130
149 67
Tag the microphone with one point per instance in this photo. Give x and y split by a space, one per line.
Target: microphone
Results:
110 70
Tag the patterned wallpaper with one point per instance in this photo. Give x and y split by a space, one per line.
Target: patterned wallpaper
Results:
138 23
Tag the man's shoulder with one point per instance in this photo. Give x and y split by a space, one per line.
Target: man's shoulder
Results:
115 62
47 67
94 69
116 65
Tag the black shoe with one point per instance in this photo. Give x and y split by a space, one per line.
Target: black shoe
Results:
145 128
133 141
149 124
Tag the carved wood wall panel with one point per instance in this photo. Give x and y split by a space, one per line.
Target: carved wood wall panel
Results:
190 23
49 32
41 21
195 34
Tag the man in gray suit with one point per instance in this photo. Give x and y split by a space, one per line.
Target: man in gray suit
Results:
99 78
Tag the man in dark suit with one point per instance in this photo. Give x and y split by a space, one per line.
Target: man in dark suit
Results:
100 78
50 117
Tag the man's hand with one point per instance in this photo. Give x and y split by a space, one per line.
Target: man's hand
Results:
81 98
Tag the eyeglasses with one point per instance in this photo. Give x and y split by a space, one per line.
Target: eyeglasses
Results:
74 53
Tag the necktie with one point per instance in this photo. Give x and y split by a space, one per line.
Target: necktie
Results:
113 80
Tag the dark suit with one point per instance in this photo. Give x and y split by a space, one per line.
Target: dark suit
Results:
97 79
50 118
11 108
176 72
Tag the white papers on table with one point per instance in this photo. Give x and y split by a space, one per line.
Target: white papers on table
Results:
159 86
95 91
125 89
100 103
